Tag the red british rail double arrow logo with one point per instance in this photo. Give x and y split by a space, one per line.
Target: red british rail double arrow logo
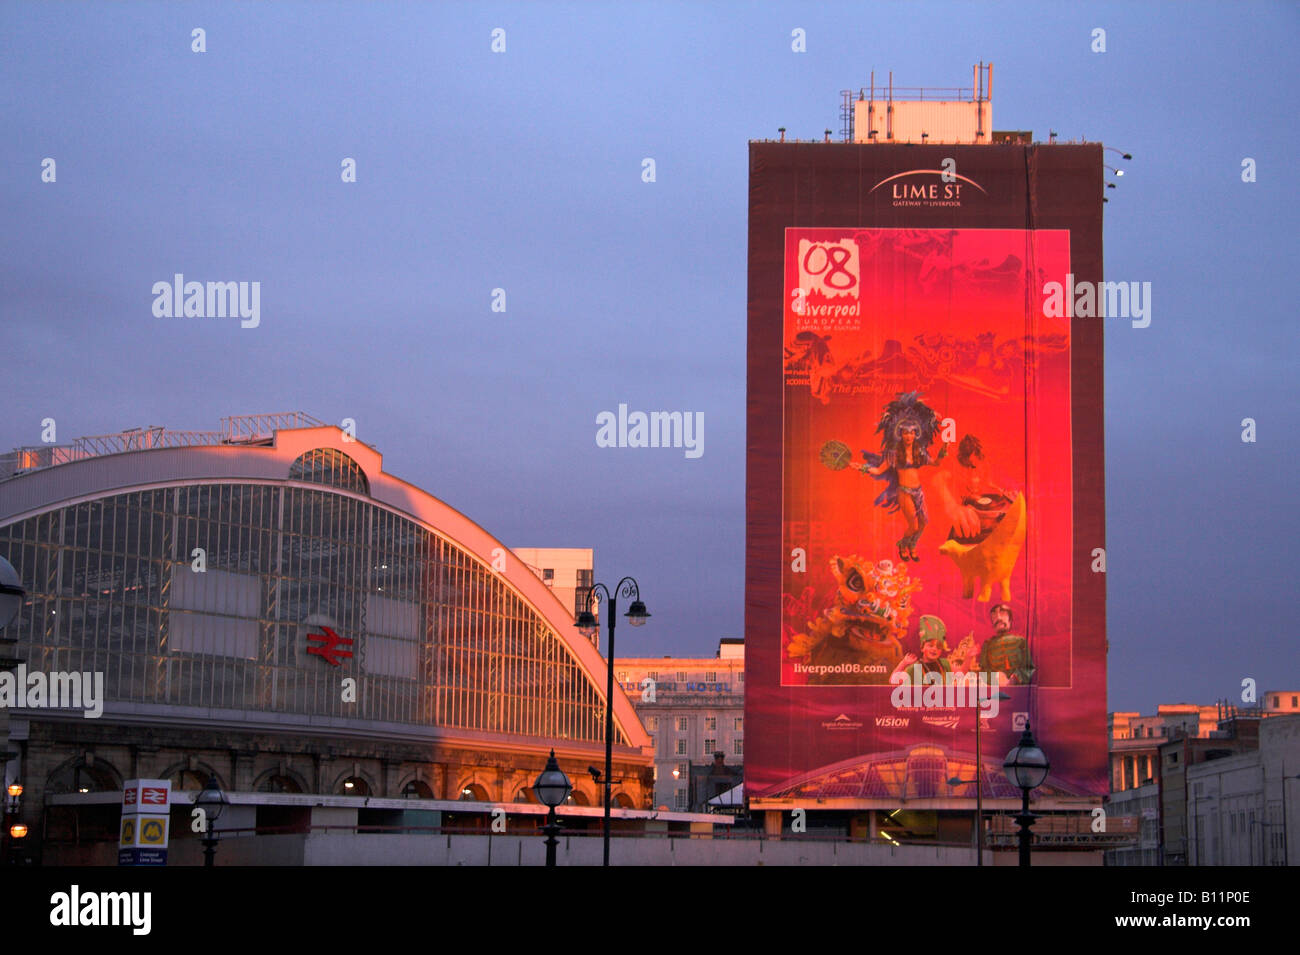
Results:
330 648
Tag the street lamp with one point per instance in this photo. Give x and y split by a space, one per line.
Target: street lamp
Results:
552 788
979 781
212 801
637 615
1026 767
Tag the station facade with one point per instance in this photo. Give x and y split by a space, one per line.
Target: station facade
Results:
267 606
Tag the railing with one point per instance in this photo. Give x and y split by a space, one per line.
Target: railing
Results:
945 94
251 427
236 429
483 829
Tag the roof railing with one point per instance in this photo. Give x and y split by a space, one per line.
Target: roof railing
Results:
235 429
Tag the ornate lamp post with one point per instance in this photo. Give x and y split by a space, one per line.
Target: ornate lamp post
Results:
1026 767
552 788
979 781
586 622
212 801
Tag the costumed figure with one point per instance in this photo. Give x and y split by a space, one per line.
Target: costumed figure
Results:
932 635
1006 652
907 429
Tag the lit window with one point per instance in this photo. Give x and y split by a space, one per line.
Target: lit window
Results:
654 675
709 746
652 724
622 677
710 722
740 723
738 746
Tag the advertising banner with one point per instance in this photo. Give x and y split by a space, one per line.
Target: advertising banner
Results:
923 459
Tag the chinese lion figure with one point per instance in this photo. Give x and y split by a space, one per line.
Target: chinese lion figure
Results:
858 639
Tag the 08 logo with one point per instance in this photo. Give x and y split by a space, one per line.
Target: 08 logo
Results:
829 267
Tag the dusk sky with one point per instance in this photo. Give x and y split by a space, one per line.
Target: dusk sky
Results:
521 170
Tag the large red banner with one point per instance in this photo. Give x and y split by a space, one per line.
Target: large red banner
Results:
925 476
920 339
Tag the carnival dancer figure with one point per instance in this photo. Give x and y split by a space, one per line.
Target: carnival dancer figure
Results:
907 429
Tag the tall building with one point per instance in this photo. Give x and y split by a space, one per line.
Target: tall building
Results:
925 464
568 572
694 710
268 606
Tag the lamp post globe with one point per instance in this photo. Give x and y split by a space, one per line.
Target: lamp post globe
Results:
1026 764
212 801
1026 767
587 624
552 788
637 615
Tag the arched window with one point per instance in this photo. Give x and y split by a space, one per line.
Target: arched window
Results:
190 780
80 777
354 786
277 783
417 789
578 798
328 466
472 792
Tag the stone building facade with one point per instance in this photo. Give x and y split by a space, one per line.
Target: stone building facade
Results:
266 606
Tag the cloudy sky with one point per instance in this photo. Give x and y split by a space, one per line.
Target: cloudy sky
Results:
521 170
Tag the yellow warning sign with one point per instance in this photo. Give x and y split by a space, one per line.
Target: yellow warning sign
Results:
128 833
